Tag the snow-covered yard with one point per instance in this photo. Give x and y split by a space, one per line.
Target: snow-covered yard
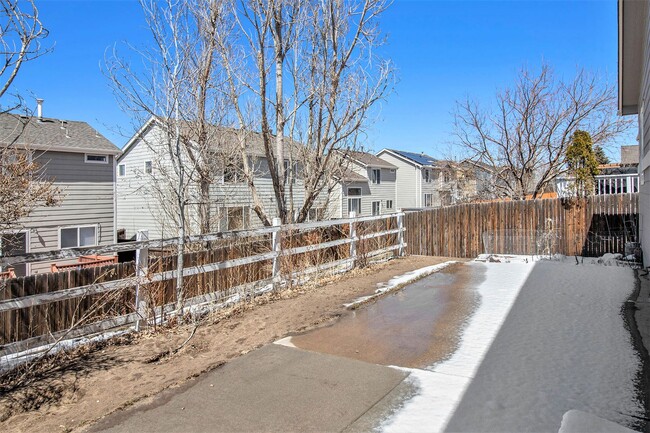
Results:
547 337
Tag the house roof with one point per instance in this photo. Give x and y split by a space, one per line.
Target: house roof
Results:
351 176
53 134
218 136
631 34
420 159
369 160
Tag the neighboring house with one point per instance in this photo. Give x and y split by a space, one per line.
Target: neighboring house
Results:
634 95
423 181
143 169
80 162
366 187
616 178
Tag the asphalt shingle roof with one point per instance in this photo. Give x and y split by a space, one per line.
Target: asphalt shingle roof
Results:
53 134
369 160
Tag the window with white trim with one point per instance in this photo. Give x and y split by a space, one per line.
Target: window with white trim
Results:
121 170
428 200
148 167
96 159
376 176
354 204
81 236
376 207
389 204
427 175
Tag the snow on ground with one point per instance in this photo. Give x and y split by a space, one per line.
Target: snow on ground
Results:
548 337
401 280
443 386
575 421
563 346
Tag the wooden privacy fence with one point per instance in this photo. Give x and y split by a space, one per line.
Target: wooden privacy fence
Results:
589 226
218 268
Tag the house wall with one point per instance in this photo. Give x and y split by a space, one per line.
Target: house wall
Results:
138 208
383 191
407 182
87 199
644 138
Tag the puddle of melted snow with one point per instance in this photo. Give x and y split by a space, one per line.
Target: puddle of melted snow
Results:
416 327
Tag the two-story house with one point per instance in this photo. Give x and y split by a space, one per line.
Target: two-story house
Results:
367 186
145 183
634 95
423 181
80 163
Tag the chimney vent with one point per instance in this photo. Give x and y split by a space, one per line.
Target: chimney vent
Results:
39 109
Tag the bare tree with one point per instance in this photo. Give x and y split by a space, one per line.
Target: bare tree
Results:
177 90
23 185
309 79
521 141
21 36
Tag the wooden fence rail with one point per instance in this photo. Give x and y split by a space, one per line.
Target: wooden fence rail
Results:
589 227
40 309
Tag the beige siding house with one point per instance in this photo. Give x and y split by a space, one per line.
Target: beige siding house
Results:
80 161
634 95
367 187
143 170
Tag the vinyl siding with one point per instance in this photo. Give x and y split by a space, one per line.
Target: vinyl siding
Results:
407 185
87 199
138 208
644 135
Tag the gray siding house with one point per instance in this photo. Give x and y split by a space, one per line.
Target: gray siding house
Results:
366 187
423 181
634 95
80 162
144 167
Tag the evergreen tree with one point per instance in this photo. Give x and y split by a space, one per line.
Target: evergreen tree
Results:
600 155
582 163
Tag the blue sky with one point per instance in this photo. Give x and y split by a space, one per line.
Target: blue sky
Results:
444 51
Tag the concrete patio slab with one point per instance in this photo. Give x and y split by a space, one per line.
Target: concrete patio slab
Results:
274 388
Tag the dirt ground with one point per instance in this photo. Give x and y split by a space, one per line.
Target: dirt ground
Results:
77 389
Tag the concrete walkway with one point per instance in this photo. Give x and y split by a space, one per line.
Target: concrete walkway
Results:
275 388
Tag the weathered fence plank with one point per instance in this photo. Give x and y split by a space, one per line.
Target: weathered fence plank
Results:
589 227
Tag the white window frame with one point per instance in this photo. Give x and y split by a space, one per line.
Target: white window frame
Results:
354 198
95 226
86 155
389 204
427 176
430 195
376 176
28 266
121 170
378 203
145 167
355 187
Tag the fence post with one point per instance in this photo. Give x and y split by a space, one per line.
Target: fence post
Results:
353 239
400 234
276 241
141 269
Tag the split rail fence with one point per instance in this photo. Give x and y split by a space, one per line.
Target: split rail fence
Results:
220 268
587 226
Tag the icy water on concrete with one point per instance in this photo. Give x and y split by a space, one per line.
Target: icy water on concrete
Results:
417 326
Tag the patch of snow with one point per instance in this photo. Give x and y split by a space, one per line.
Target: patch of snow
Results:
442 387
400 280
286 341
575 421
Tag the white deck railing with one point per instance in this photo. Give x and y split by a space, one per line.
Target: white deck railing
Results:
603 184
